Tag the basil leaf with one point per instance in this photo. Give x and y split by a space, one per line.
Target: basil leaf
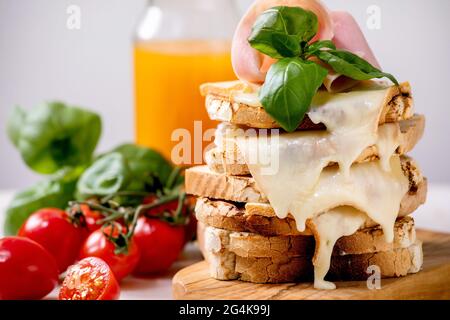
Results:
290 85
150 170
352 66
54 192
53 136
107 175
278 32
319 45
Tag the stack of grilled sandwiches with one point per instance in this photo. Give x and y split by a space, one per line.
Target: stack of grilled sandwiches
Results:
328 202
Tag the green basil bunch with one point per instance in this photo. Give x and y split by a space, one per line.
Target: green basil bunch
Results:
284 33
60 140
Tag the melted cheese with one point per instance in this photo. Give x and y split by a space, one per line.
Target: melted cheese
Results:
389 139
301 183
329 227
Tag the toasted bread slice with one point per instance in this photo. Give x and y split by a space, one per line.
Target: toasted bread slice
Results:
261 219
231 161
395 263
254 245
234 217
221 106
203 182
222 253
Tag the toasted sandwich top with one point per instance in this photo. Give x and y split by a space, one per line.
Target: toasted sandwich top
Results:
237 102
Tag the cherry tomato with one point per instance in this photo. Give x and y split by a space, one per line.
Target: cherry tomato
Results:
90 279
98 245
160 244
91 217
191 226
52 229
27 270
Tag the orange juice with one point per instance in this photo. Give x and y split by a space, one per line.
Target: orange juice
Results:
167 79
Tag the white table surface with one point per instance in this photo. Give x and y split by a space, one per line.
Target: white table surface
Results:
434 215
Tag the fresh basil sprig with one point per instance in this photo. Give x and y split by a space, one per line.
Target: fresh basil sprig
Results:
284 33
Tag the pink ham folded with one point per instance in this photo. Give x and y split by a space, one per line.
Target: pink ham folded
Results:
347 36
252 66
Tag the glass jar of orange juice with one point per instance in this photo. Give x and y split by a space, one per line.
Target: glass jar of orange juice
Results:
179 44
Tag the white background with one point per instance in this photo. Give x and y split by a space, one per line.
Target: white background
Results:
40 59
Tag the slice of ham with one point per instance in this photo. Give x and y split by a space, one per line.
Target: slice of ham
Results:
340 26
251 65
347 36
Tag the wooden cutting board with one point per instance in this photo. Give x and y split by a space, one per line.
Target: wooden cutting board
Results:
432 282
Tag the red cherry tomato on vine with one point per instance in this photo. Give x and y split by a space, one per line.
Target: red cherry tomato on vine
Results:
89 279
160 244
191 226
91 217
98 245
52 229
27 270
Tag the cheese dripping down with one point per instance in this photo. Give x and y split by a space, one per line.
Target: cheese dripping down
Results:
330 226
303 184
